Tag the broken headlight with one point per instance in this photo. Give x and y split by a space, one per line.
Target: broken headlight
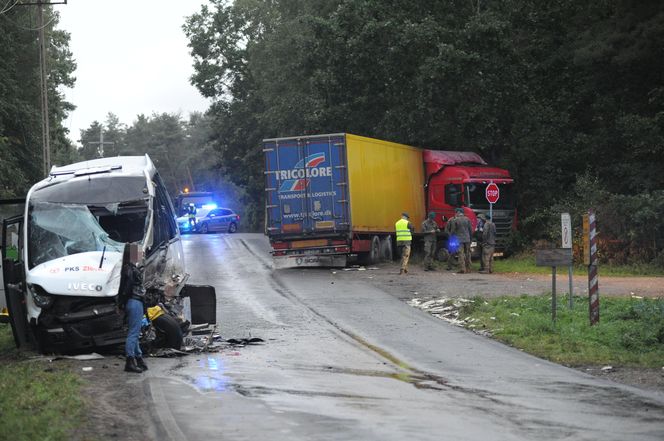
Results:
41 298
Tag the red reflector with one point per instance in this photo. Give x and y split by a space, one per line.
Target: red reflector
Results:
280 245
338 242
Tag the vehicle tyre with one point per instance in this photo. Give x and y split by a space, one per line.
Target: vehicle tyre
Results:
204 228
169 330
442 254
232 228
374 251
386 249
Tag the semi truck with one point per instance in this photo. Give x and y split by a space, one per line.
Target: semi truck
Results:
332 199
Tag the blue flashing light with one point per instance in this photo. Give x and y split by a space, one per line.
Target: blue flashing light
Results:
453 244
210 206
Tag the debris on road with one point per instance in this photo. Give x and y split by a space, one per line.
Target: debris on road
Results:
81 357
245 341
607 369
444 308
448 309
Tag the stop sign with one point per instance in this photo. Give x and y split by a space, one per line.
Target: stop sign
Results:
492 193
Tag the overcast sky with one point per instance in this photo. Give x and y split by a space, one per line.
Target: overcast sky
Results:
132 58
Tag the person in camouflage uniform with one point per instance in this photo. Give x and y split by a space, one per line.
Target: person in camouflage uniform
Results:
430 230
481 219
463 230
488 244
452 250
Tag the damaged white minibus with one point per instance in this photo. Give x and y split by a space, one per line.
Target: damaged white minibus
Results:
62 287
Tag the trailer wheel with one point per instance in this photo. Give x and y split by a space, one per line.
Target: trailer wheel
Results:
374 251
387 252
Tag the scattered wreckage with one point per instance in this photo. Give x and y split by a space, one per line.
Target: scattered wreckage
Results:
62 280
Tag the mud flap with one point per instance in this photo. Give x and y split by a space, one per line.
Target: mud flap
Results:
203 301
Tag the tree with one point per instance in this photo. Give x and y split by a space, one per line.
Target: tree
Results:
20 124
550 90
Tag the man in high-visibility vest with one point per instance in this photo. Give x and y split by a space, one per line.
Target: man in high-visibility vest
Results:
404 230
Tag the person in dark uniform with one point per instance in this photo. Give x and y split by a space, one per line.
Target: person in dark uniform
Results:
481 219
430 230
463 230
488 244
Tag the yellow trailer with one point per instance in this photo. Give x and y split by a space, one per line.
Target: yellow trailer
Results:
330 197
384 179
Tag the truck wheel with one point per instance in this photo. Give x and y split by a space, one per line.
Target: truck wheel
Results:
204 228
387 252
442 254
374 252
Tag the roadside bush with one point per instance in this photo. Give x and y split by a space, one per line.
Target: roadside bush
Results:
630 226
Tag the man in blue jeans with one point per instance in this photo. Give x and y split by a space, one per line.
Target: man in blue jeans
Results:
132 296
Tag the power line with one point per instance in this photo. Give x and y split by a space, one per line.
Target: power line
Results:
7 9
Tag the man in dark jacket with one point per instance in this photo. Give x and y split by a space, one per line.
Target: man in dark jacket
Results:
488 244
463 230
430 230
481 219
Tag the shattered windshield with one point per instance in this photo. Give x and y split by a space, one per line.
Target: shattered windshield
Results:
59 230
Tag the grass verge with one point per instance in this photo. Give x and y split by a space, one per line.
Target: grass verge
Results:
37 401
526 264
630 332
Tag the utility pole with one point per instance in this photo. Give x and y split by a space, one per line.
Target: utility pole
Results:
43 77
101 142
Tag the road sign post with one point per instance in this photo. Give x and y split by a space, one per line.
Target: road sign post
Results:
492 194
554 257
566 235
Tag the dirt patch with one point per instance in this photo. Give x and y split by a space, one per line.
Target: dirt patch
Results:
427 285
644 378
452 284
116 402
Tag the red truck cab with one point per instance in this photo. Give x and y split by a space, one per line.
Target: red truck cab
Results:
459 179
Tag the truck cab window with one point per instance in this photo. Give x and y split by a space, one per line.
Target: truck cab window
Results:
453 194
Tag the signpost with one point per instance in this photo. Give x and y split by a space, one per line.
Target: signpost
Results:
566 235
554 257
492 195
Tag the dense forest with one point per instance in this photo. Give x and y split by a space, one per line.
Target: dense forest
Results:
567 95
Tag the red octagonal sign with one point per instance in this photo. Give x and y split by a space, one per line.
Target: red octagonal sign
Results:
492 193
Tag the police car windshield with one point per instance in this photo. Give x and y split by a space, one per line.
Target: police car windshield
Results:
57 230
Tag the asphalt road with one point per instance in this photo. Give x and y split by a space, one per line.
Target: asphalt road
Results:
344 360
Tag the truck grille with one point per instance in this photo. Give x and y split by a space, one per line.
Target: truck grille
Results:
503 230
